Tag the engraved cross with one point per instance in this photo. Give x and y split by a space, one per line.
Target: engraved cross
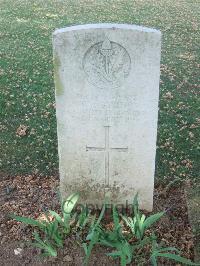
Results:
106 149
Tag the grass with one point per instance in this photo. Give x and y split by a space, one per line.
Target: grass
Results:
27 88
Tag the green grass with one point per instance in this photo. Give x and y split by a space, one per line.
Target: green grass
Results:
27 88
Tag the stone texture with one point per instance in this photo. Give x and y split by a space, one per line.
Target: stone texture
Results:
107 89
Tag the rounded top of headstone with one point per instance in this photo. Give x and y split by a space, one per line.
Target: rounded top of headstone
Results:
112 26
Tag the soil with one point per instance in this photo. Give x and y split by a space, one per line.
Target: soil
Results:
193 202
31 195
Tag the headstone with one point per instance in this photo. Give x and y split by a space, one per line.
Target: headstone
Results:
107 90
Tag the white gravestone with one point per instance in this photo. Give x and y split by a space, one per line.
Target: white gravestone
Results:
107 90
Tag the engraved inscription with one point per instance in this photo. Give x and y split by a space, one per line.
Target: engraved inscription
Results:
106 64
106 149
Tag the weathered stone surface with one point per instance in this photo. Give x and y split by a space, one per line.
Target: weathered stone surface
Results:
107 89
